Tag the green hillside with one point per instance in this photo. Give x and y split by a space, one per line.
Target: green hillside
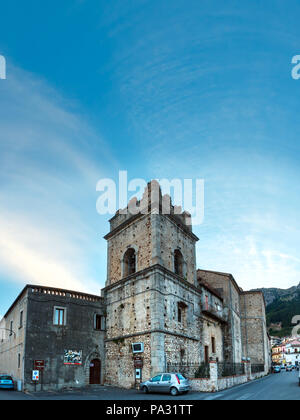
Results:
283 309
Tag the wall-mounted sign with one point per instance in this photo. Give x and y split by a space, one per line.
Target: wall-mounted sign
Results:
138 347
39 364
138 362
73 357
138 374
36 375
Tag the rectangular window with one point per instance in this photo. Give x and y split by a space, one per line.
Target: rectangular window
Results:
11 328
213 344
59 316
21 319
19 361
100 322
206 354
179 314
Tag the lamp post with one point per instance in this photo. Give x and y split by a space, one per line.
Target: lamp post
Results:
10 331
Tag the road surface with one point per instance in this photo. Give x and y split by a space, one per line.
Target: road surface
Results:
282 386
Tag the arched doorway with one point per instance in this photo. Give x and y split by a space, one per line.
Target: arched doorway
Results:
95 372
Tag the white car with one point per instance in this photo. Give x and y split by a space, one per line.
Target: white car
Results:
173 383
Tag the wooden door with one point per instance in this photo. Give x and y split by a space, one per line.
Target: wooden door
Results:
95 372
206 354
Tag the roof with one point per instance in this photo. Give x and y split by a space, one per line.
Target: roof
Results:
230 277
294 343
50 290
210 289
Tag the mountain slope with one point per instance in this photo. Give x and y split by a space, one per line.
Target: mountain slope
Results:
282 306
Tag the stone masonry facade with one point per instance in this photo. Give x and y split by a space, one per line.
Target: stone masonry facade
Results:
154 295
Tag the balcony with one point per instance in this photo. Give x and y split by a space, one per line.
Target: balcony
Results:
213 312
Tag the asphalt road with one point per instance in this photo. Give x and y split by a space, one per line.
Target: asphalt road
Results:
281 386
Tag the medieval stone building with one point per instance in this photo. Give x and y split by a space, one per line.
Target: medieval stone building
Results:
59 332
160 311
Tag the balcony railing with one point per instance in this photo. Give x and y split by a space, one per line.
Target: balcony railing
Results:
213 312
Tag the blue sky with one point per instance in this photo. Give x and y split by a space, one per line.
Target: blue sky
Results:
162 89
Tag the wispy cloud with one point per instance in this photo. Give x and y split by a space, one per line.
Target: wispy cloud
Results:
49 168
250 261
36 255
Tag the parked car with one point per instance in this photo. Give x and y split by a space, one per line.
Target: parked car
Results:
173 383
276 369
289 368
6 382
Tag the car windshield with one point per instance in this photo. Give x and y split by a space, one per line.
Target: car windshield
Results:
5 378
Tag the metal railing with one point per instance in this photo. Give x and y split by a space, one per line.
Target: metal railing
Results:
230 369
257 368
211 310
190 370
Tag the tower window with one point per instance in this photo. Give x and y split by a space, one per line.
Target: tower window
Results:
181 312
178 263
129 262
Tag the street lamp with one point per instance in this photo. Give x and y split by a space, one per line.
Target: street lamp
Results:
11 331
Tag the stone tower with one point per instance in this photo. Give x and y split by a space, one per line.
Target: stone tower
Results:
151 291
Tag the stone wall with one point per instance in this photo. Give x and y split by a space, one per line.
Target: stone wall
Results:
144 308
120 369
254 328
173 237
46 341
210 329
136 234
225 285
215 384
12 345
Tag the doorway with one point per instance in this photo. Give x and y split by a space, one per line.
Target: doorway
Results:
95 372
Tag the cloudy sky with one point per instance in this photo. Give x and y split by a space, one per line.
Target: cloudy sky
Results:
187 89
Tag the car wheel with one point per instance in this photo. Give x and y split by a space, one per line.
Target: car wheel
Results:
145 390
173 392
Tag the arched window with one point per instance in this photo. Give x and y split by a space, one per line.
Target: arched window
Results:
178 263
129 262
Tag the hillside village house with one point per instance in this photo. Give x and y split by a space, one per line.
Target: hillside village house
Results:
287 352
157 312
292 354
